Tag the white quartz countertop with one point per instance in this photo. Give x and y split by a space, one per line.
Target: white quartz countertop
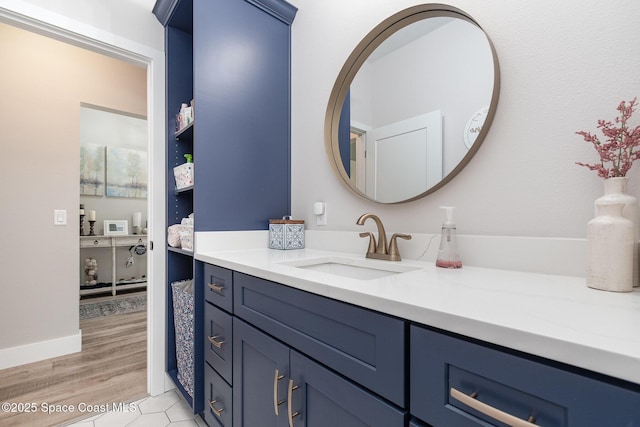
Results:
556 317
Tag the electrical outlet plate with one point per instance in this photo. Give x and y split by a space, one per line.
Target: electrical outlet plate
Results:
320 209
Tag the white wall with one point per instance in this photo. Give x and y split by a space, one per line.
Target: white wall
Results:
564 65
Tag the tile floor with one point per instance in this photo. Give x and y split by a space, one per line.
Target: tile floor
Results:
164 410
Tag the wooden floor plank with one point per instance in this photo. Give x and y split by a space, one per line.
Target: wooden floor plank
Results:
111 368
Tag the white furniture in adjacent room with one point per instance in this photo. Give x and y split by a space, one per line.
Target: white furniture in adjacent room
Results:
111 242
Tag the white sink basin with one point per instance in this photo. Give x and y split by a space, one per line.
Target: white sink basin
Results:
352 268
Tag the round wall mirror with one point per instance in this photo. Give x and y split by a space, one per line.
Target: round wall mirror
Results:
412 104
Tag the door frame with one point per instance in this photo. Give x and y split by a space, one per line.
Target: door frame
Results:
80 34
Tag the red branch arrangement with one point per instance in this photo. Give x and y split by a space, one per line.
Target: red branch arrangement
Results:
620 149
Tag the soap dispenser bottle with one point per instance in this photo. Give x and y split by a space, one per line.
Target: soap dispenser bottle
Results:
448 256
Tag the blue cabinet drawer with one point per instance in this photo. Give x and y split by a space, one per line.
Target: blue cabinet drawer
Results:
366 346
218 286
218 340
218 399
457 382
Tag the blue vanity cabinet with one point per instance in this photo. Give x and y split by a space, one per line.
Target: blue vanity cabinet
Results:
266 344
456 382
333 363
276 386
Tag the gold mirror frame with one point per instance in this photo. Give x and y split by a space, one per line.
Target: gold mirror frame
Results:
351 67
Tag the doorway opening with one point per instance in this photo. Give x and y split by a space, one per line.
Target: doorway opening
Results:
58 27
113 201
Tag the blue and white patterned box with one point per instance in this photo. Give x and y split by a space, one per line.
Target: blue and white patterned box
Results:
286 234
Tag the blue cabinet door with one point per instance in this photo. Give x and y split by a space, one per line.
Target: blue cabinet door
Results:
322 398
260 372
265 372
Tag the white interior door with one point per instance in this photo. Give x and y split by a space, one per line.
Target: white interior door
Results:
405 158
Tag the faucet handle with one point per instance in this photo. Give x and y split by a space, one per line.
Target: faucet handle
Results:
372 241
393 245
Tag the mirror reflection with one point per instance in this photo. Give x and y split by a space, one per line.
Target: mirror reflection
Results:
415 108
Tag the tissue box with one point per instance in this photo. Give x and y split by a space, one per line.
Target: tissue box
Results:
286 234
183 175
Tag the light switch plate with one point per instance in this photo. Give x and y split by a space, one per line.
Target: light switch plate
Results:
59 217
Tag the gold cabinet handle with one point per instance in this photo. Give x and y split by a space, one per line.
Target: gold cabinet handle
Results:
216 288
289 398
276 377
490 411
218 412
214 340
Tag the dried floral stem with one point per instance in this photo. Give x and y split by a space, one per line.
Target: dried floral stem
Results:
619 152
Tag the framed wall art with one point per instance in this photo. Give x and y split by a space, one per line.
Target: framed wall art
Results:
116 227
126 173
92 170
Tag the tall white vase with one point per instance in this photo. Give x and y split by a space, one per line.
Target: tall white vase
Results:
615 190
610 243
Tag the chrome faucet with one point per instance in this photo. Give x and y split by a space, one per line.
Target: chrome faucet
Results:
380 250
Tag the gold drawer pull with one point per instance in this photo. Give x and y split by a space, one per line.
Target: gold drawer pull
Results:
216 288
289 397
214 340
490 411
276 377
218 412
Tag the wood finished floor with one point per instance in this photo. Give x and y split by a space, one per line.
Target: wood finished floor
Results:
111 368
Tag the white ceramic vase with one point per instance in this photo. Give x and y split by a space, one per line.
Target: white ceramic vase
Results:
610 243
615 190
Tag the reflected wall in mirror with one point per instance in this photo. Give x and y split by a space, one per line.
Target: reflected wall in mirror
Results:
412 104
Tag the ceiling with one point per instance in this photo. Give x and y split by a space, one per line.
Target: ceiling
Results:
147 4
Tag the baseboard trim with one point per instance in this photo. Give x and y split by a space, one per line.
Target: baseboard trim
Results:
34 352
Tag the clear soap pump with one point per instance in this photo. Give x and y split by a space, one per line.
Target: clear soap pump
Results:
448 256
